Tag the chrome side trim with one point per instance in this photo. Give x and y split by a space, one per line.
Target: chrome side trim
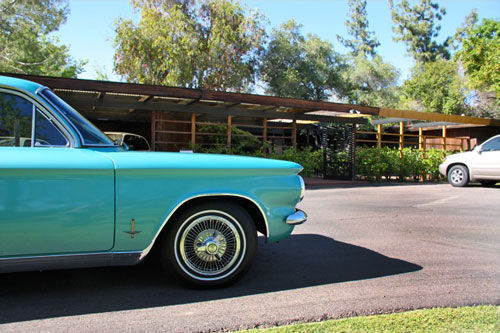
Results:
65 261
146 251
298 217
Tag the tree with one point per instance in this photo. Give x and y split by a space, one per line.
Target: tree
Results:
364 42
372 82
25 45
192 43
480 56
417 27
469 23
301 67
434 87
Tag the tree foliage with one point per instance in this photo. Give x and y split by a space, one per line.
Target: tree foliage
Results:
480 56
372 82
363 41
26 47
469 23
434 87
418 27
301 67
192 43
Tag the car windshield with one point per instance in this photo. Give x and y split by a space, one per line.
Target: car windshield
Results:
90 135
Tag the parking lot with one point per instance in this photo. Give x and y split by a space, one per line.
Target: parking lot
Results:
365 249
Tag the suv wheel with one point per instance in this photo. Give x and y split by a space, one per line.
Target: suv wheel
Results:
458 176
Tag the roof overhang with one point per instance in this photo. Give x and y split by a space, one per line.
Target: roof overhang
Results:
130 101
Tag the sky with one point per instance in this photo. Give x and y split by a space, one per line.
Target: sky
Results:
89 30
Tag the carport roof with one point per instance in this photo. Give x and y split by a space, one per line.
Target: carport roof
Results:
129 101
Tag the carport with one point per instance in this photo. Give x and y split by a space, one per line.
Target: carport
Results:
172 118
169 116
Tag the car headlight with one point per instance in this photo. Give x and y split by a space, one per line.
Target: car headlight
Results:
302 188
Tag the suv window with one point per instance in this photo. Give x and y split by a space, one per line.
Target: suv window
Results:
493 144
16 124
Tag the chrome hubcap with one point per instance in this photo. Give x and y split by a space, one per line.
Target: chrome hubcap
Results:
457 176
210 245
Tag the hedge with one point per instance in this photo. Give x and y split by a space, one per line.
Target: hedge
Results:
371 164
374 163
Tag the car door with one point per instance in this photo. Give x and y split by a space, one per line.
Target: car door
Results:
54 199
486 165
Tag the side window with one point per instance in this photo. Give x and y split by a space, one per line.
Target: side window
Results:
491 145
46 133
136 142
15 121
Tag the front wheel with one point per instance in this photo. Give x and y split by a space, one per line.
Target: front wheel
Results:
211 244
458 176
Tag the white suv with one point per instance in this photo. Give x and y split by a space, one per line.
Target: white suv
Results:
481 164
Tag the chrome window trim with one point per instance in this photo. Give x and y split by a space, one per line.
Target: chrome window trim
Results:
148 249
65 261
51 116
33 125
50 120
75 128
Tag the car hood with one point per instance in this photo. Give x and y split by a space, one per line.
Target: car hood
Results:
164 160
465 156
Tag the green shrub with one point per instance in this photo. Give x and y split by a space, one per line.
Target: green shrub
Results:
311 160
374 163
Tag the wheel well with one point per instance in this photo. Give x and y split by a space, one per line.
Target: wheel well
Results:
458 163
251 208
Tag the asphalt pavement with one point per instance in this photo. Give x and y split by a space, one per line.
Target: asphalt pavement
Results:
365 250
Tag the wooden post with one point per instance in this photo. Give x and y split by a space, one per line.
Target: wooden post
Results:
379 136
264 130
420 139
444 138
229 124
193 129
401 138
153 130
294 133
422 149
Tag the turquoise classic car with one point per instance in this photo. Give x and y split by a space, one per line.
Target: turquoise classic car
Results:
70 197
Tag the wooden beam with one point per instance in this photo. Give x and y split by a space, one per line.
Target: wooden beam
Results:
231 105
430 116
144 98
269 101
198 94
79 102
294 133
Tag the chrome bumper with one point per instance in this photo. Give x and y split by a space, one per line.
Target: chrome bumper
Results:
296 218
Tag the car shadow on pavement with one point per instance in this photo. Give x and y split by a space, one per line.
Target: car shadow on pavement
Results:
301 261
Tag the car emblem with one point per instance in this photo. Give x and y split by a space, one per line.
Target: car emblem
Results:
132 231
